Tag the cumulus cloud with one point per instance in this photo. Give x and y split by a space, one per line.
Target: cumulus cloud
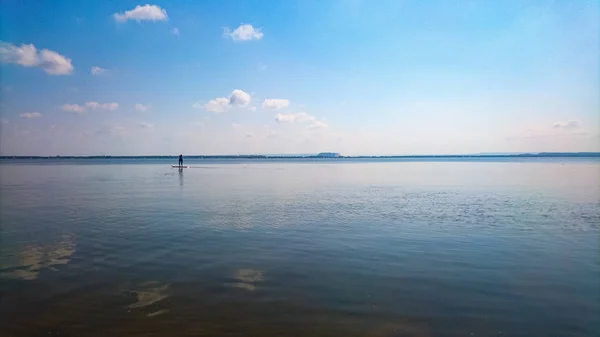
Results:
29 115
55 64
217 105
301 117
73 108
276 103
142 13
141 107
97 71
239 97
103 106
221 104
27 55
175 31
244 32
572 124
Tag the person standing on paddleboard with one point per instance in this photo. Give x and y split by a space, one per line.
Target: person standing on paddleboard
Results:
180 160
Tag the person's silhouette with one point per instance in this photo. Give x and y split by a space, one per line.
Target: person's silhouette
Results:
180 160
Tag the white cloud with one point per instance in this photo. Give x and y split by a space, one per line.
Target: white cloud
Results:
142 13
26 55
141 107
318 125
221 104
301 117
146 125
253 108
276 103
217 105
103 106
250 135
244 32
73 108
29 115
97 71
175 31
572 124
239 97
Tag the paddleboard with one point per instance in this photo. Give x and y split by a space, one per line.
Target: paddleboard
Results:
177 166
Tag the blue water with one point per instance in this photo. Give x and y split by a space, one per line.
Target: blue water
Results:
507 247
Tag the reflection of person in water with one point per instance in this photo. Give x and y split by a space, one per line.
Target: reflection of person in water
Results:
180 160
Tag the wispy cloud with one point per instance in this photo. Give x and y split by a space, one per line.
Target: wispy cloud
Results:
27 55
141 107
175 31
142 13
30 115
567 125
102 106
146 125
73 108
90 105
275 103
111 130
318 125
97 71
244 32
301 117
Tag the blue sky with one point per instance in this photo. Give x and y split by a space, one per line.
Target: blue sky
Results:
356 76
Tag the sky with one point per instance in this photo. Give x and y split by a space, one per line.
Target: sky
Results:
380 77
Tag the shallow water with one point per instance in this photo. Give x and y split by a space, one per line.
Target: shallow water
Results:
321 248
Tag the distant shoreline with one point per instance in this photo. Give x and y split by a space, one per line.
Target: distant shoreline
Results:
523 155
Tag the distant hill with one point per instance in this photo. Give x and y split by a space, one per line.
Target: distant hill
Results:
500 153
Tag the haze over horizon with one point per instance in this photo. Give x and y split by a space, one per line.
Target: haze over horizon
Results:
251 77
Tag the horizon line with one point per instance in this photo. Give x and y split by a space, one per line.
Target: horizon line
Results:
318 155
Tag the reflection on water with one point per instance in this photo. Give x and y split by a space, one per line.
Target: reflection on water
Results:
150 293
181 177
248 279
156 313
28 263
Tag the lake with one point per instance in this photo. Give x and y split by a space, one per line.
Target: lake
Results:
505 247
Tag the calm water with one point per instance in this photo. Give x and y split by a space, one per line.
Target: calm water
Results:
352 248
